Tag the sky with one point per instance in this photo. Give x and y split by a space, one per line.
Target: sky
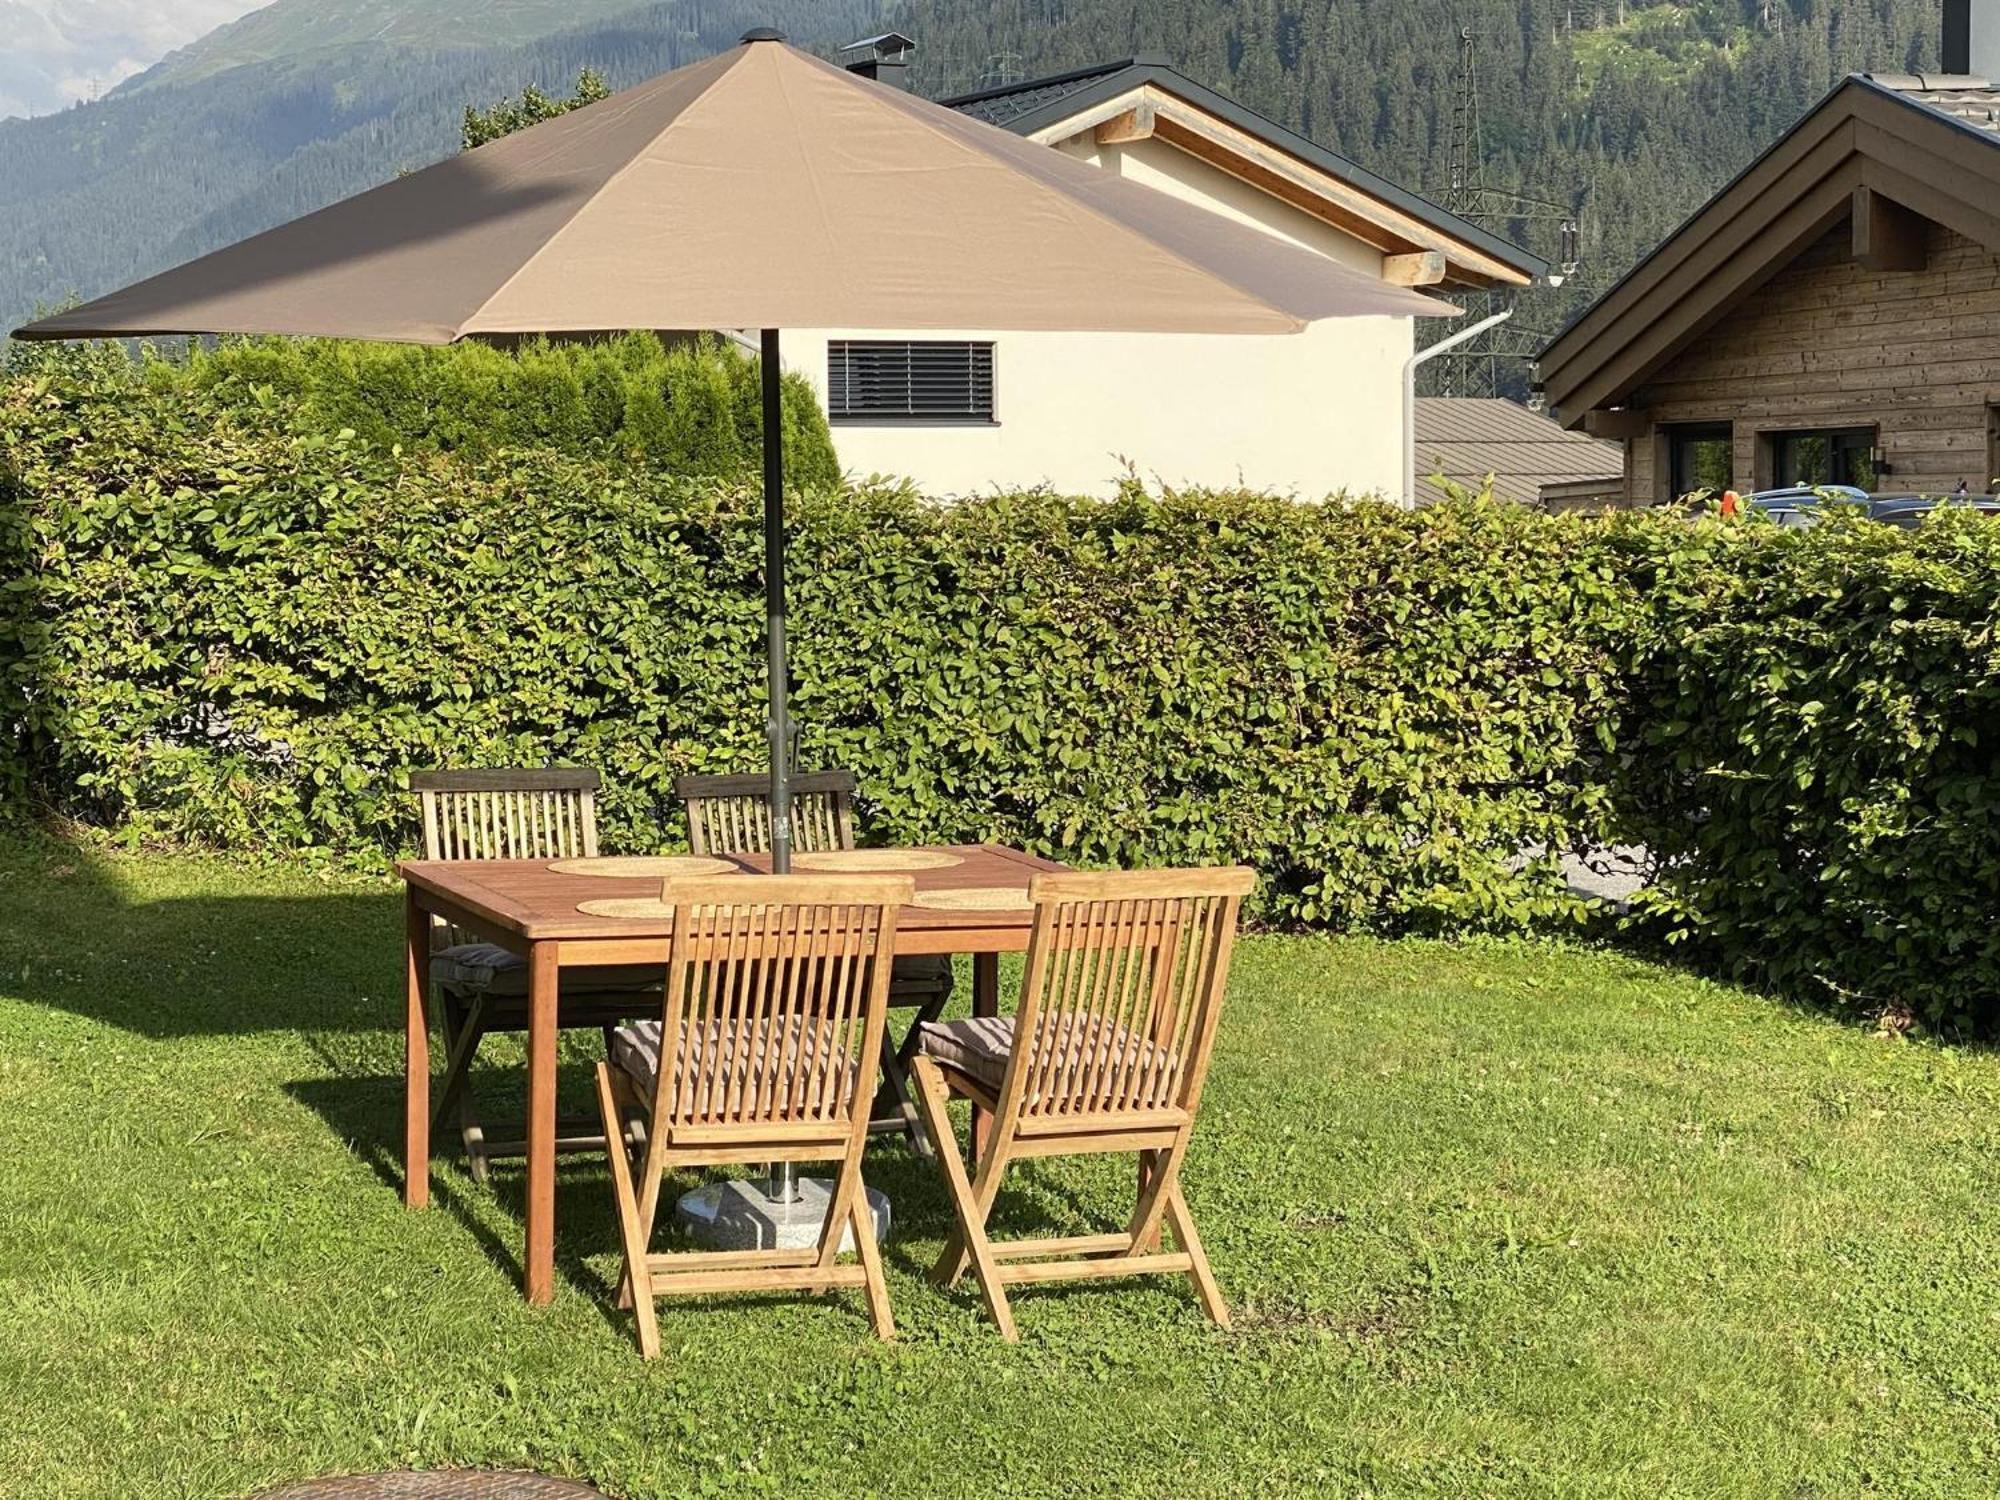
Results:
54 52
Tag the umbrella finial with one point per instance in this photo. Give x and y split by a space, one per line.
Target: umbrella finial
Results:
763 34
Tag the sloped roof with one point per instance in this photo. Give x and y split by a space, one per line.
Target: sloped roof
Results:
1930 144
1009 102
1970 101
1033 105
1467 438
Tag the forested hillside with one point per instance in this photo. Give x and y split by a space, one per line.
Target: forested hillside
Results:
1627 114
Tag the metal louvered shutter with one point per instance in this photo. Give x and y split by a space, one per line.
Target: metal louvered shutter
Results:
909 380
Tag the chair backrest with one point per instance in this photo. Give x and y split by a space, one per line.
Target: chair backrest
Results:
777 993
1121 992
525 813
732 814
546 813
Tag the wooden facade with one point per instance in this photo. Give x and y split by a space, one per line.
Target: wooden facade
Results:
1828 345
1831 316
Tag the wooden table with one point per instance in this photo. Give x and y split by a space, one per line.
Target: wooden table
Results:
531 910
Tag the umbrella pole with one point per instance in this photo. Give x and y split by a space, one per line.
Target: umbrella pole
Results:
774 604
782 1184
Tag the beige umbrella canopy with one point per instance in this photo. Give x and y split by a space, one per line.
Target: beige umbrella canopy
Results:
746 191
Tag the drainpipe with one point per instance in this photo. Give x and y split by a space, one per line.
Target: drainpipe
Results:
1410 394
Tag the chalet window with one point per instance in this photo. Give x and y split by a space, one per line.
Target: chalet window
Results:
1843 455
1700 456
909 380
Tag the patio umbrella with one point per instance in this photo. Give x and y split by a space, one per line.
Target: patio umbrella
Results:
745 191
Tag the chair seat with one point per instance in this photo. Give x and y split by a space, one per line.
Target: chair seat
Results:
488 969
635 1048
979 1047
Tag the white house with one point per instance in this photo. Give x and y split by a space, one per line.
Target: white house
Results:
962 411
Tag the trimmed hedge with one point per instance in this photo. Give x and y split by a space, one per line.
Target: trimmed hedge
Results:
227 633
242 638
1813 758
691 407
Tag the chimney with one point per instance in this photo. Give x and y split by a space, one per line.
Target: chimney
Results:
886 58
1972 38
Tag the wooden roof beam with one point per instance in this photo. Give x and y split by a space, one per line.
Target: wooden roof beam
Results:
1135 124
1657 306
1887 236
1420 268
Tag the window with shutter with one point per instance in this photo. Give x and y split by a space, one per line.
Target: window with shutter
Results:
909 380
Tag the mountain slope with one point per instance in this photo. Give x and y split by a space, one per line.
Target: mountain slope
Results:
291 30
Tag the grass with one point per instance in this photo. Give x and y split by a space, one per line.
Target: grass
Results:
1497 1218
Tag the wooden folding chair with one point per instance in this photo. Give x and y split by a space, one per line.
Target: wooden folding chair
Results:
732 815
1107 1053
776 998
546 813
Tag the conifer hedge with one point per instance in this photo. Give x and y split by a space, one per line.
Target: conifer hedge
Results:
239 630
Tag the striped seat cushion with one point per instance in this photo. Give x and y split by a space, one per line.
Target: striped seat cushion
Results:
979 1046
752 1056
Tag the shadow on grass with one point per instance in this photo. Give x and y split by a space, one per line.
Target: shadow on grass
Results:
74 938
365 1111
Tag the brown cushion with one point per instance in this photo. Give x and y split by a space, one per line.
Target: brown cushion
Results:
635 1047
979 1046
489 969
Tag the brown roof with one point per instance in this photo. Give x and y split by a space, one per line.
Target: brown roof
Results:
747 191
1932 148
1466 439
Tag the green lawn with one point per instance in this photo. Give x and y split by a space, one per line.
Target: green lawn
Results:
1497 1219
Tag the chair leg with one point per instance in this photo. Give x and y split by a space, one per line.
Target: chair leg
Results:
637 1278
459 1042
894 1101
971 1238
1149 1163
1161 1177
465 1029
1205 1286
862 1217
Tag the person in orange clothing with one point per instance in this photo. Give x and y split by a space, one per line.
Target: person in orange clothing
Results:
1731 505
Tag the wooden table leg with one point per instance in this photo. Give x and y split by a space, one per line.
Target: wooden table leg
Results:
416 1054
541 1260
985 1002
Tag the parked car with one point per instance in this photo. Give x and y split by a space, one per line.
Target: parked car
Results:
1801 504
1908 511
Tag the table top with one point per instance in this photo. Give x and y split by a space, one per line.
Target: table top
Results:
527 899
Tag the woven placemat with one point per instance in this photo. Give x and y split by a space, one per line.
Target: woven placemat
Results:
976 898
644 866
856 861
633 908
